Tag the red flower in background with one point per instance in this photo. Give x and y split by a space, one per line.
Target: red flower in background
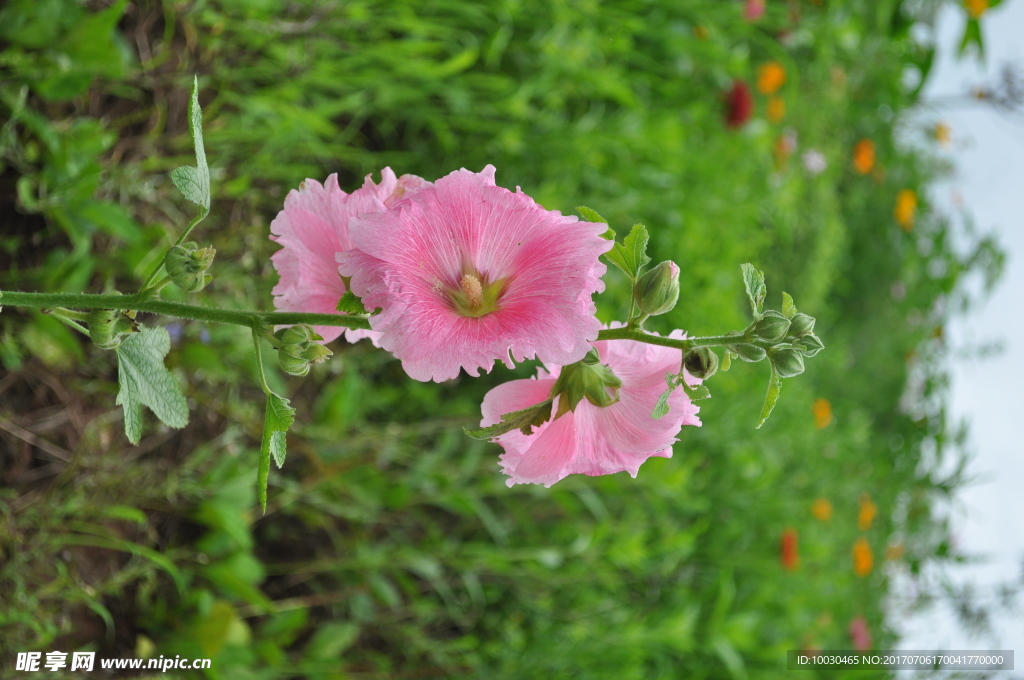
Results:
789 554
739 105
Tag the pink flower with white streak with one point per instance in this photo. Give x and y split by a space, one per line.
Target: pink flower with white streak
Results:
595 440
312 229
467 272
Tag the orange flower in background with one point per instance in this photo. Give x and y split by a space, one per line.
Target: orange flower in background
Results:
821 509
943 134
776 109
867 513
864 156
770 77
700 33
894 552
789 553
863 558
822 411
976 8
906 206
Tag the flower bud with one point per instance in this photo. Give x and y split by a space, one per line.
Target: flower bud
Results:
299 349
801 325
751 353
701 362
811 344
787 362
771 327
657 290
107 327
187 263
586 379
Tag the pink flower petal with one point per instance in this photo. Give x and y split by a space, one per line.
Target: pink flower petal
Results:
312 229
408 260
593 440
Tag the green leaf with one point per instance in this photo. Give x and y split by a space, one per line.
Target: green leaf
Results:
189 183
774 389
146 382
696 392
661 408
631 255
524 421
727 360
351 304
675 380
788 308
194 181
756 290
277 420
591 215
972 36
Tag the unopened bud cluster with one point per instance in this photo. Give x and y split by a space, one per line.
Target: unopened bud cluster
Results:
298 349
798 342
187 263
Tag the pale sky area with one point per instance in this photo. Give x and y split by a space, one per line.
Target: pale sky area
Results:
988 151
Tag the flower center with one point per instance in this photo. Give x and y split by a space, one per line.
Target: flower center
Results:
476 296
473 291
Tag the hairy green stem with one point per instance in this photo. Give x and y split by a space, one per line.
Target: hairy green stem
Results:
627 333
142 303
259 360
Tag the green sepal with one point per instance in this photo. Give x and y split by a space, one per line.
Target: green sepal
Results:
810 345
524 421
749 353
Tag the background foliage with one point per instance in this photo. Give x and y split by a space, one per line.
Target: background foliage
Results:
391 546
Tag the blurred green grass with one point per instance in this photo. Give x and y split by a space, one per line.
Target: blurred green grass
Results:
392 547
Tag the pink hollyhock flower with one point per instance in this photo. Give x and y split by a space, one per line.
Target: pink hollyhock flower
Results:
753 10
312 229
595 440
859 634
467 272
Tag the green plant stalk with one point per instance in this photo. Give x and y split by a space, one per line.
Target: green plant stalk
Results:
143 303
627 333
